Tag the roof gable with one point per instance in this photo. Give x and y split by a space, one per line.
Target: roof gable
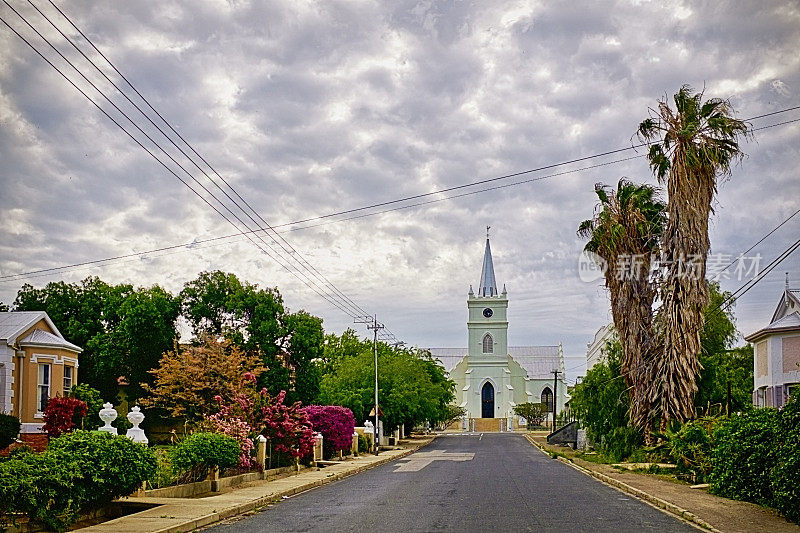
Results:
789 302
45 339
15 323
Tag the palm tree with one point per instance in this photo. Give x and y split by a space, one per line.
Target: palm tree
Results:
693 147
625 233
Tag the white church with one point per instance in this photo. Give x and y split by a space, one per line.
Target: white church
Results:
491 376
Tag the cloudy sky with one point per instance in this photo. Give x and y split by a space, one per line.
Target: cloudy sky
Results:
314 108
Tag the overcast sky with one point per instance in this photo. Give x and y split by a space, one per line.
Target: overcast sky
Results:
312 108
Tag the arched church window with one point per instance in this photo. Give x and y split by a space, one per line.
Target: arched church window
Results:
488 344
547 398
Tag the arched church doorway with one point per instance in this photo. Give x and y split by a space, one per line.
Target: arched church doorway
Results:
487 403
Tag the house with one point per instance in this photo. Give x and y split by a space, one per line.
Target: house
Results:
595 349
776 353
36 363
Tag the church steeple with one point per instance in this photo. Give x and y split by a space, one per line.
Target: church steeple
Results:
488 284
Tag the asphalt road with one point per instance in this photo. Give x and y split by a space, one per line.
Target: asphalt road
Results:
488 482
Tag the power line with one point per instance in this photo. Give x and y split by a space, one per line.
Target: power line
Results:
190 245
293 253
299 274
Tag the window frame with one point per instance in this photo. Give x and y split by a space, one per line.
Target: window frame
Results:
68 369
488 336
44 383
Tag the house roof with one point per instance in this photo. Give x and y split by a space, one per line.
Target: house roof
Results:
790 322
45 339
538 361
14 323
789 296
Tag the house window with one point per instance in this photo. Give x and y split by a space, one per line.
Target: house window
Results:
68 376
43 388
488 344
547 398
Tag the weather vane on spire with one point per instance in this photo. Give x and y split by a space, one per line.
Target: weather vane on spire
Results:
487 231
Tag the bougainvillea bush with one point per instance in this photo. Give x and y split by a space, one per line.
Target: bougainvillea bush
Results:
62 415
286 427
336 425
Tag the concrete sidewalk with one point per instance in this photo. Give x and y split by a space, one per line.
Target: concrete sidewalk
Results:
708 511
186 514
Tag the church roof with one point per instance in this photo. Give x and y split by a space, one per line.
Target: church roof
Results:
488 284
538 361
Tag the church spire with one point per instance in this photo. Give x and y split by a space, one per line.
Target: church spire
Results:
488 285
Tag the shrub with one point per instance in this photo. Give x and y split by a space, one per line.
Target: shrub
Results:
744 454
9 429
109 466
41 486
199 453
62 415
336 425
94 403
786 475
533 413
620 443
691 446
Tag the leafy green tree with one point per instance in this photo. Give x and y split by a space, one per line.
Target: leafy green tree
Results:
721 364
692 147
413 388
123 331
533 413
305 341
255 319
601 401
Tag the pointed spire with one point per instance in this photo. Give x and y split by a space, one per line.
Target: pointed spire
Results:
471 292
787 281
488 285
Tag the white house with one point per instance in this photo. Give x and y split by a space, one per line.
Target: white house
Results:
492 377
776 361
595 349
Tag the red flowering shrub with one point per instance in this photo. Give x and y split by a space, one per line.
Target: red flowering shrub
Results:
62 415
336 425
286 427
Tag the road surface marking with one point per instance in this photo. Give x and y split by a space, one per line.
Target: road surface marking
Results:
420 460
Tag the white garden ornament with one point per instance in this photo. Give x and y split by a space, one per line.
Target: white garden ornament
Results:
136 434
108 414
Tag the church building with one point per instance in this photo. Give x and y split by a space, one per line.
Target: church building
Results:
491 376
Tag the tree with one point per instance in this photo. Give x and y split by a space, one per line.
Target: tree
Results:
533 413
692 147
413 388
721 365
192 382
305 341
123 331
624 232
255 319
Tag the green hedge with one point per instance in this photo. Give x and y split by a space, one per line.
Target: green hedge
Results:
200 452
79 471
110 466
756 457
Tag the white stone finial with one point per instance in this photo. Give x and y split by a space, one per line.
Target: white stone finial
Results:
136 434
108 414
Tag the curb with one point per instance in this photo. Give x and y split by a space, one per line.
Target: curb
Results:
206 520
633 491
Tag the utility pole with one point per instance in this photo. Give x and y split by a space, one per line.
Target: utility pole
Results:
374 326
555 395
